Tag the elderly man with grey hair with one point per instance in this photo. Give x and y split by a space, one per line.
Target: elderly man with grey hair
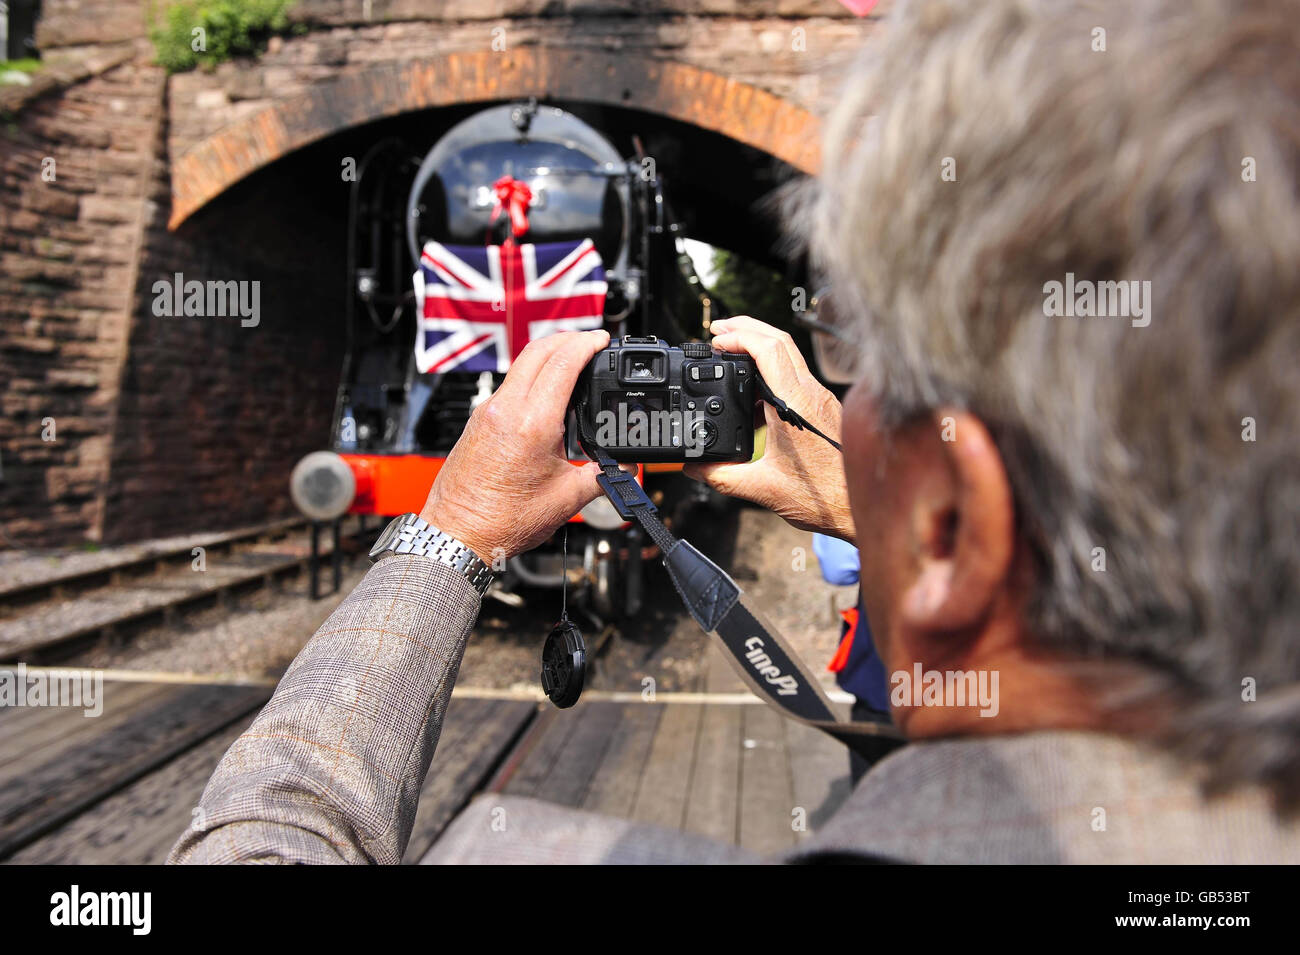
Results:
1063 241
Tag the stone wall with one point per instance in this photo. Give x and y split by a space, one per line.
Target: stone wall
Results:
117 423
215 411
760 50
75 193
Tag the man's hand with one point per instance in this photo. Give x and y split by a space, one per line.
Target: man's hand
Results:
507 485
799 476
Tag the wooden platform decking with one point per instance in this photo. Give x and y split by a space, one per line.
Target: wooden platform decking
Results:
737 772
122 787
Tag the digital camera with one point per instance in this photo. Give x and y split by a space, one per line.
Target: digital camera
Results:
643 400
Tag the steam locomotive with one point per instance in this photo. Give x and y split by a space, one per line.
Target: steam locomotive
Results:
521 172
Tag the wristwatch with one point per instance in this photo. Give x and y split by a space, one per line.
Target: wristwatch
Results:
411 534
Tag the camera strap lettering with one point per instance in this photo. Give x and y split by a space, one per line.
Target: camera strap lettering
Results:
765 662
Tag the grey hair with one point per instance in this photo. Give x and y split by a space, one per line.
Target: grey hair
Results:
1127 164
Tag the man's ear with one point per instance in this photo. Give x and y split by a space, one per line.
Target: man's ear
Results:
964 535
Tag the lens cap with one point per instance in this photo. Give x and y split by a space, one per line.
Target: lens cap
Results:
564 664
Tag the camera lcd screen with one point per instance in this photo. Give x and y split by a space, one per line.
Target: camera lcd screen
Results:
635 401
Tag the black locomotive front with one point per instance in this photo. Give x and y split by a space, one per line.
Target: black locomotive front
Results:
395 423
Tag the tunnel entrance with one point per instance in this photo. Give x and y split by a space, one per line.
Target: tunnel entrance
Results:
214 414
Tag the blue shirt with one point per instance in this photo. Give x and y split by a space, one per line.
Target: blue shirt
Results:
864 672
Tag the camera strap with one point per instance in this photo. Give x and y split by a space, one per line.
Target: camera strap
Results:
765 662
789 415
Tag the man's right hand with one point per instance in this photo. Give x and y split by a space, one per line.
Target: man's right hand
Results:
507 486
799 476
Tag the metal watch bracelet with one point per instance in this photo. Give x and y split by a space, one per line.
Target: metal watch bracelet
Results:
411 534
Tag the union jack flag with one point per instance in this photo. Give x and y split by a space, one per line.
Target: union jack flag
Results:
479 306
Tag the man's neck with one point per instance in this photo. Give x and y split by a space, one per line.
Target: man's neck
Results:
1018 692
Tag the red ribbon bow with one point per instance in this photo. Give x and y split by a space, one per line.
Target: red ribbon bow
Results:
513 196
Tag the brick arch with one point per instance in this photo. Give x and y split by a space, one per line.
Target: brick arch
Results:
700 97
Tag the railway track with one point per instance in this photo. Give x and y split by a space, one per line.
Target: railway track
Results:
48 617
123 787
154 737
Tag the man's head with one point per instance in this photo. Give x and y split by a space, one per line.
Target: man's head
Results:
1070 236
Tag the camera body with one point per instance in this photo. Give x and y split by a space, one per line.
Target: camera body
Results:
644 400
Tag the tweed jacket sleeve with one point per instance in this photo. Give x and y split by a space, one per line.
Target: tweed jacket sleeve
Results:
331 769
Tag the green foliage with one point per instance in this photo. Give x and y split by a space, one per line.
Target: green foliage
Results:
746 288
27 65
230 28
